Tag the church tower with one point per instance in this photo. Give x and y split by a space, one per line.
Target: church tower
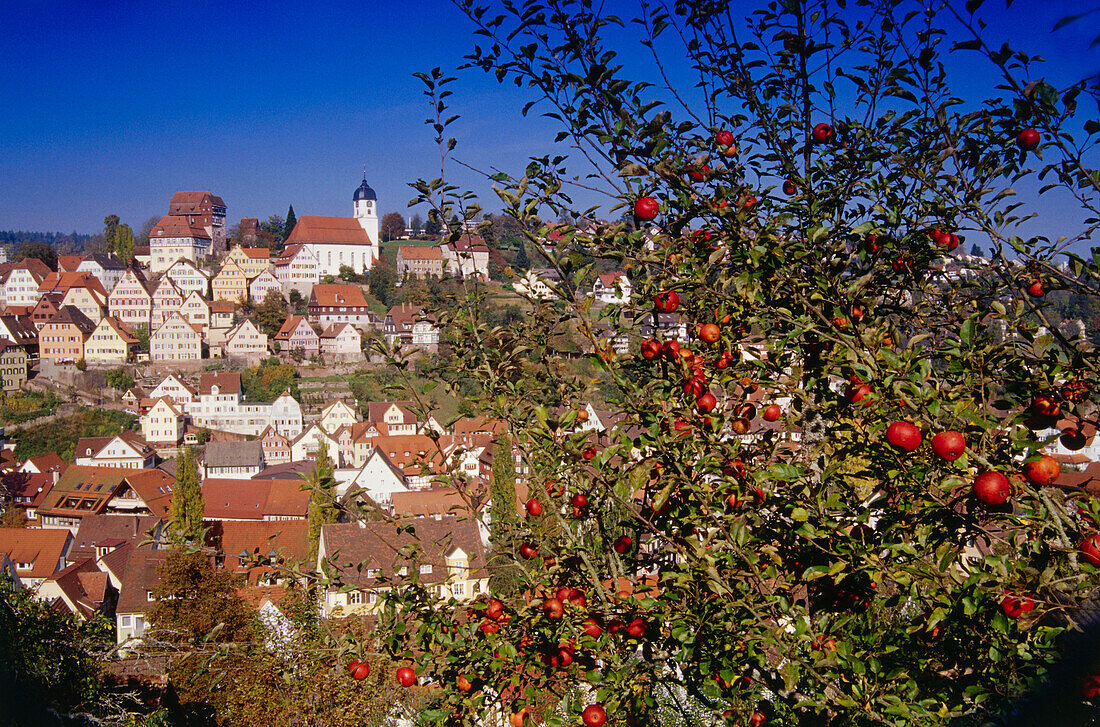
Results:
366 209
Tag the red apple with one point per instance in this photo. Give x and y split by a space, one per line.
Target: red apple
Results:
359 670
1017 606
406 677
594 715
589 453
592 628
622 544
992 488
463 684
772 413
1028 139
789 187
671 350
553 608
518 718
651 349
646 208
1046 406
904 436
698 175
1042 471
528 551
724 360
949 445
859 393
667 301
1091 687
757 719
1090 548
534 507
706 403
823 133
494 608
636 628
579 501
710 332
1036 289
723 138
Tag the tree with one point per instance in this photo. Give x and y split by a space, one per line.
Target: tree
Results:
39 250
416 224
188 504
291 220
123 243
323 506
382 283
120 379
275 226
147 229
392 227
141 333
828 568
271 313
348 274
433 228
110 228
297 302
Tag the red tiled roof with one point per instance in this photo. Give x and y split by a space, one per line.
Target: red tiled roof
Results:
332 230
420 252
43 548
257 253
337 294
121 330
186 202
227 499
228 382
289 326
289 539
178 226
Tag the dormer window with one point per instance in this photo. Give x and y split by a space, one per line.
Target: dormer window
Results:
24 565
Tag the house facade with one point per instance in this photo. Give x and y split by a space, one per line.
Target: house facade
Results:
111 343
164 423
297 334
175 237
230 284
176 340
265 282
13 365
406 326
61 340
245 343
189 277
130 301
296 269
335 242
342 342
340 303
420 261
167 299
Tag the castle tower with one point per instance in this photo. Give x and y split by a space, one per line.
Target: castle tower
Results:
366 209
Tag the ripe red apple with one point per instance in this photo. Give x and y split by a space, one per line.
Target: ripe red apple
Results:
1046 406
489 627
1017 606
667 301
579 501
823 133
650 349
1036 289
706 403
1090 548
406 677
463 684
636 628
695 387
949 445
859 393
589 453
772 413
904 436
594 715
710 332
992 488
698 175
528 551
671 350
724 360
1091 688
534 507
789 187
553 608
1042 471
646 208
565 655
359 670
724 138
622 544
592 628
494 608
1028 139
757 719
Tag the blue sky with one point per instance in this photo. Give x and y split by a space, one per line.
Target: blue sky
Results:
112 107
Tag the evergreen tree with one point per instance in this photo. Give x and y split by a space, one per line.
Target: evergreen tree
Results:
416 223
124 243
187 501
522 261
323 509
504 575
291 220
110 226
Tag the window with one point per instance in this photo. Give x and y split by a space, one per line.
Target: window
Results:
355 598
458 589
425 569
403 571
126 620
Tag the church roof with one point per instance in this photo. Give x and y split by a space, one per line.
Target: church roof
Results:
331 230
364 192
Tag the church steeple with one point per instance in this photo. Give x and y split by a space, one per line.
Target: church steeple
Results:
366 208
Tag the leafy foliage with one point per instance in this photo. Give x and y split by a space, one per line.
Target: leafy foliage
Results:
188 505
60 435
268 380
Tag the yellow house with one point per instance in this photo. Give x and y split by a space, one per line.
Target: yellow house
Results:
450 561
230 283
89 301
252 260
163 423
337 414
196 310
110 343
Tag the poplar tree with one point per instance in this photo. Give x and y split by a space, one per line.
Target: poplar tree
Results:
323 510
187 501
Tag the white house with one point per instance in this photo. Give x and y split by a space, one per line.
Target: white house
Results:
175 237
612 288
189 278
126 449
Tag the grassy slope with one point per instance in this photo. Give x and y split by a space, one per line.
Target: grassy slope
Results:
61 435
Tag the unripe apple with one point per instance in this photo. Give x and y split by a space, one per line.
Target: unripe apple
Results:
646 208
949 445
1028 139
534 507
518 718
904 436
594 715
992 488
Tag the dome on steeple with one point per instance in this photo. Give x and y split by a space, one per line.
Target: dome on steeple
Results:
364 192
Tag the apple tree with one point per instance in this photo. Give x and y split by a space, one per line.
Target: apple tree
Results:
827 497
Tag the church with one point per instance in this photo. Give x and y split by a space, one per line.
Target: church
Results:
336 242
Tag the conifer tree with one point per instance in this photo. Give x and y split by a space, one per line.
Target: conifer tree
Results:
291 220
187 501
